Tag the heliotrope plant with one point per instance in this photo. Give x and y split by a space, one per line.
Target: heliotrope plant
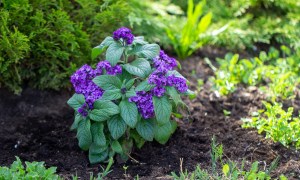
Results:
127 99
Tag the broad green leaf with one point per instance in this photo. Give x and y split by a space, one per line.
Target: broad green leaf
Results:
116 126
98 135
129 83
129 112
116 146
111 94
225 169
130 93
139 40
96 51
114 53
145 128
162 133
84 134
77 119
174 94
140 67
108 82
162 109
148 51
98 153
76 101
139 141
144 86
103 109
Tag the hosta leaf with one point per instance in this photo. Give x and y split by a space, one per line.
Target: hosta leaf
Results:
144 86
129 112
145 128
76 101
116 126
84 134
103 109
108 82
98 153
148 51
114 53
162 133
116 146
98 135
140 67
111 94
162 109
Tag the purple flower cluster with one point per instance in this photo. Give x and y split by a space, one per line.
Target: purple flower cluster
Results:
125 34
83 110
144 103
163 63
83 84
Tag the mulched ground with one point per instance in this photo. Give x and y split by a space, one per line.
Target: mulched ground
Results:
35 127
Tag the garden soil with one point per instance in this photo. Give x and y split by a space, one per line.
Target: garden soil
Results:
36 127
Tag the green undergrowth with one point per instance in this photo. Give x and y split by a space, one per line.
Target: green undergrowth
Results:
276 73
276 123
225 169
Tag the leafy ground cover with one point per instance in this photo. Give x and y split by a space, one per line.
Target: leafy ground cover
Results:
35 127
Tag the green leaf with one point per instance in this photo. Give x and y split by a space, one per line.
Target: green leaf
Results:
162 109
84 134
144 86
108 82
139 141
111 94
149 51
97 153
175 73
129 83
77 119
130 93
96 51
225 169
162 133
116 146
139 40
98 135
129 112
174 94
191 94
116 126
145 128
140 67
114 53
76 101
103 109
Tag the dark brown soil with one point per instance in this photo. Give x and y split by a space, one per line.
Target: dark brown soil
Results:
35 127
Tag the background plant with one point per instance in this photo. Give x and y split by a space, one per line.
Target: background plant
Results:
187 38
273 72
32 170
277 124
128 98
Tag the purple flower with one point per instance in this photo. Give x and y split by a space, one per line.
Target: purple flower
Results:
178 82
125 34
109 69
82 110
164 63
144 102
158 91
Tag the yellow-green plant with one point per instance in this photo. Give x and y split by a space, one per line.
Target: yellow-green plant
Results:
278 124
188 38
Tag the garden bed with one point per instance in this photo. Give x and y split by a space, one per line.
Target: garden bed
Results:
36 127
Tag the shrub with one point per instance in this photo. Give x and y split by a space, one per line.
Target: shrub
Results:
33 170
128 98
